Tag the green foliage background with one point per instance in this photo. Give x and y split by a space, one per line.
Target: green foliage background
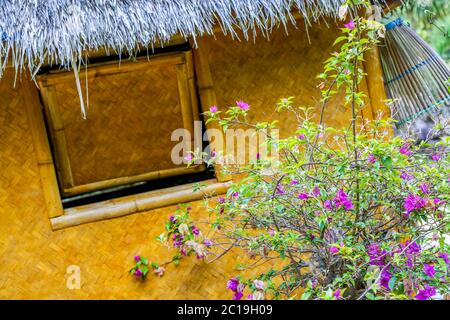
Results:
419 13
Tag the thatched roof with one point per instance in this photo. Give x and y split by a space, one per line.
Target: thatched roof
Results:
58 31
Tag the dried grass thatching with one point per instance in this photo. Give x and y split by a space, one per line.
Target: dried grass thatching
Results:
58 31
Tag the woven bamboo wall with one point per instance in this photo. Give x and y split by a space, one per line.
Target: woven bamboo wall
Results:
130 119
33 259
264 72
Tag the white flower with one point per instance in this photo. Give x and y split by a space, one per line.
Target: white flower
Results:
183 228
259 284
343 11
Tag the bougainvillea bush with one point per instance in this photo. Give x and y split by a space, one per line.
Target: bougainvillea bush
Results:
369 227
350 213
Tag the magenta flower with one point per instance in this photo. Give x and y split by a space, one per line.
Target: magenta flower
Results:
221 200
137 273
405 176
137 258
425 188
232 284
303 196
172 218
301 136
195 230
413 202
243 105
376 255
250 297
371 158
412 248
189 157
207 242
334 250
350 25
294 182
213 109
429 270
436 157
238 295
328 204
405 150
235 194
426 293
341 200
279 190
385 278
444 256
316 191
337 294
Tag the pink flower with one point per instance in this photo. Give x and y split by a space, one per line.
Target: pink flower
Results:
280 190
238 295
426 293
424 187
436 157
405 176
195 230
138 273
413 202
350 25
189 157
294 182
303 196
235 194
405 150
445 257
213 109
328 204
243 105
334 250
341 200
207 242
316 191
429 270
371 158
221 200
301 136
137 258
337 294
232 284
259 284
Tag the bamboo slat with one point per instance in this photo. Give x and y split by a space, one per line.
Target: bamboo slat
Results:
136 203
44 158
207 95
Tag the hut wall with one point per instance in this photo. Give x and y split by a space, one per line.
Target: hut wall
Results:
263 72
34 259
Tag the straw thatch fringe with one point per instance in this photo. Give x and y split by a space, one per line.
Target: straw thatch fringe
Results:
56 31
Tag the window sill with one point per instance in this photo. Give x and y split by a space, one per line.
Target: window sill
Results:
137 203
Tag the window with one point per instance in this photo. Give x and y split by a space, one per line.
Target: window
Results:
132 112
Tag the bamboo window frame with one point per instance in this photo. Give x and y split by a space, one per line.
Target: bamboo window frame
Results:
183 62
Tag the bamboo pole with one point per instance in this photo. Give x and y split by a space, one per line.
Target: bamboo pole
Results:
137 203
57 134
154 175
112 67
207 95
45 164
375 84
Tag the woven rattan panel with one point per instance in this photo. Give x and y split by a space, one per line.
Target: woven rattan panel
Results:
130 119
263 72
